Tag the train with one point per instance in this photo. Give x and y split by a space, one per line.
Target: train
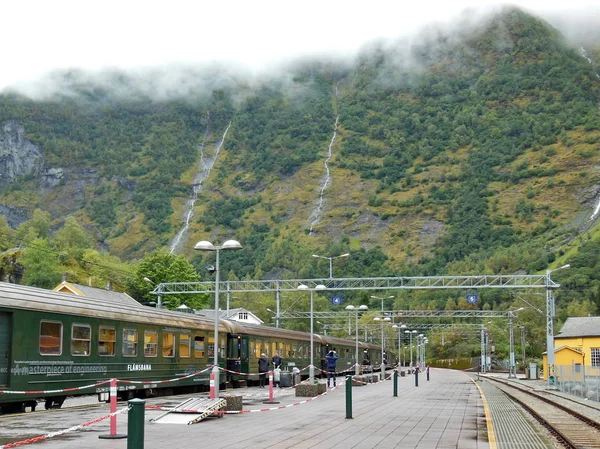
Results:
54 345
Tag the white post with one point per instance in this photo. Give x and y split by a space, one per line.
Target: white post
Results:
215 370
311 369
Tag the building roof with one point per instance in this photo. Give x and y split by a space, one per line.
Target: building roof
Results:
584 326
107 296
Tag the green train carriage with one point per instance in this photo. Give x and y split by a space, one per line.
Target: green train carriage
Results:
57 341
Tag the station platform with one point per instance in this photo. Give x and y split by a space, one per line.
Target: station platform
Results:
451 410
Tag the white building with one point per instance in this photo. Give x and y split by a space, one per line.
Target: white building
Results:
240 314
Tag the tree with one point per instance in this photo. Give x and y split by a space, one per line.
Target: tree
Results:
72 239
39 224
161 267
40 265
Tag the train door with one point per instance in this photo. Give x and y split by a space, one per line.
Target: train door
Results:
5 329
244 354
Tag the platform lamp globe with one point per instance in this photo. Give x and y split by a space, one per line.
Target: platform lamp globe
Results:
318 287
229 245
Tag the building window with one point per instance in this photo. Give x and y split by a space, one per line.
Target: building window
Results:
595 357
50 338
150 343
243 316
81 339
130 342
106 341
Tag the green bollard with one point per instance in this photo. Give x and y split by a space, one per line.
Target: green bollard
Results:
348 397
416 378
395 383
135 424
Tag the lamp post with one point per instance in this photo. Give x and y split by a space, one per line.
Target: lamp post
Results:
550 327
400 330
319 287
330 261
229 245
511 342
410 334
382 319
523 348
420 348
356 310
159 299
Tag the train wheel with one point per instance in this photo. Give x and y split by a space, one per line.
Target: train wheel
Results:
48 403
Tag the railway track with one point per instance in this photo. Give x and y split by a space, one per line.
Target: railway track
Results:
573 424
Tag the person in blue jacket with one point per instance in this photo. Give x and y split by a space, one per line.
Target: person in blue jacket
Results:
331 359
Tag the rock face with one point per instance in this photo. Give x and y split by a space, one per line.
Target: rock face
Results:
18 156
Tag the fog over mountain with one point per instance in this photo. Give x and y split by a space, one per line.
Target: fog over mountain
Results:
183 50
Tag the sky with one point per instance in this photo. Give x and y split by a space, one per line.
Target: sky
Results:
38 36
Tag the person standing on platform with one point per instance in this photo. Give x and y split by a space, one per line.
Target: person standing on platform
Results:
263 367
331 360
277 361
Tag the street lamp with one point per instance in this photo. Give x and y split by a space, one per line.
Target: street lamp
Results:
311 369
400 330
410 334
523 347
356 309
382 299
159 300
550 326
330 261
387 318
229 245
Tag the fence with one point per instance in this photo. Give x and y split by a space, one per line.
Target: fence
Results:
578 380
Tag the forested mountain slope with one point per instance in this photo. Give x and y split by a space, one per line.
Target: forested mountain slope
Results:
460 151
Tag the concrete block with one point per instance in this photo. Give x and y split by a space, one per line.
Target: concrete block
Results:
310 390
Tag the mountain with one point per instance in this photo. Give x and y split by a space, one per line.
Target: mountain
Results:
467 149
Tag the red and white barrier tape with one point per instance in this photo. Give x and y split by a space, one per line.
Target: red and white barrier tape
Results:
62 432
256 374
145 382
64 390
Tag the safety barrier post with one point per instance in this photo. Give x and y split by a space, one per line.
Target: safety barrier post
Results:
395 383
348 397
270 401
427 374
113 409
135 424
416 378
212 393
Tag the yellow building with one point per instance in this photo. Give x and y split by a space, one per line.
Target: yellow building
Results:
577 349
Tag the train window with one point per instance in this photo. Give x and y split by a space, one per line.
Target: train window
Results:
150 343
253 348
222 345
184 345
211 347
288 350
259 349
130 342
168 344
106 341
50 338
273 348
199 347
81 339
